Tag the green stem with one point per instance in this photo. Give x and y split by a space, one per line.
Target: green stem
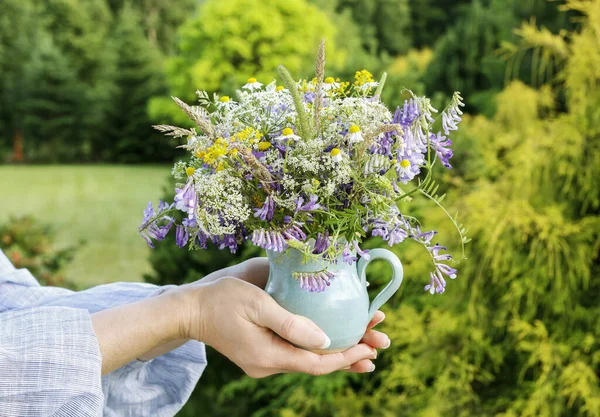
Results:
288 81
381 84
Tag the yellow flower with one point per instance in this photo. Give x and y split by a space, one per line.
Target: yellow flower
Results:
329 80
224 99
190 171
287 131
363 77
263 146
233 152
200 154
279 88
405 163
251 80
316 182
354 129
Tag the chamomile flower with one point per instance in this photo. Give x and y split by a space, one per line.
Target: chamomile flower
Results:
330 84
354 134
336 155
252 84
288 134
225 102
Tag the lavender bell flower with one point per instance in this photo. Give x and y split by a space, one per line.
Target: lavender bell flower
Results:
348 256
150 229
442 145
295 232
321 243
269 239
267 210
181 236
186 199
310 205
362 253
314 281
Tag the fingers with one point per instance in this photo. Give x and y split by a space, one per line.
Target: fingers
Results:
296 329
310 363
361 367
376 339
377 318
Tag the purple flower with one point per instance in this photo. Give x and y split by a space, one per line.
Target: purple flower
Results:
435 253
269 239
314 281
321 243
348 255
181 236
450 119
407 114
436 283
422 237
446 270
393 232
228 241
309 97
186 199
295 232
201 239
362 253
310 205
150 228
441 144
267 210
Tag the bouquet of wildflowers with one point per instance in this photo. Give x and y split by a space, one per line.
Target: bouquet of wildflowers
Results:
316 165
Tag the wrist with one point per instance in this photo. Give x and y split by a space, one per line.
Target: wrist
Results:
188 302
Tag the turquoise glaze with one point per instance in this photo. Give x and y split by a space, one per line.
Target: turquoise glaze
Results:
343 310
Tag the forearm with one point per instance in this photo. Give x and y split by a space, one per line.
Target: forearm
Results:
132 331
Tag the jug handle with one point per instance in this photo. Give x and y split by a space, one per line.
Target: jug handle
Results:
392 286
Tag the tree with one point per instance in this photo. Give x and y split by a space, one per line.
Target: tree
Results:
19 34
89 49
49 112
138 77
384 24
160 19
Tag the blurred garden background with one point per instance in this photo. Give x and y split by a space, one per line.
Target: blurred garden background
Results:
517 334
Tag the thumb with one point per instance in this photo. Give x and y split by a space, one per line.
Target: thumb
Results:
297 329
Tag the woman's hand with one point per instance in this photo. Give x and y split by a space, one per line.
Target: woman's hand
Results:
245 324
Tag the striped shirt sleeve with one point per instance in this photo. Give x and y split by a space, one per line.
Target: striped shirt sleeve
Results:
50 362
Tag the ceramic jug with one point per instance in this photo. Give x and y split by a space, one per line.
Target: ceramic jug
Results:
343 310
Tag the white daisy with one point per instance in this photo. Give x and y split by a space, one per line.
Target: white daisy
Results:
252 84
354 134
336 155
287 133
225 102
330 84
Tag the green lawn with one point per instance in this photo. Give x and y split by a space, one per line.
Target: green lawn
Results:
101 204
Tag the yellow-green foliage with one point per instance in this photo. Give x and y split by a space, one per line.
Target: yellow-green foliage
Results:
518 333
231 41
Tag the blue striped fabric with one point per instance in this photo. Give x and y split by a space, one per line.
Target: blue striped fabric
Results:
50 362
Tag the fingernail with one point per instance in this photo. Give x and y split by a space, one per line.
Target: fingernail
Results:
389 342
382 319
347 367
371 368
326 343
374 354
